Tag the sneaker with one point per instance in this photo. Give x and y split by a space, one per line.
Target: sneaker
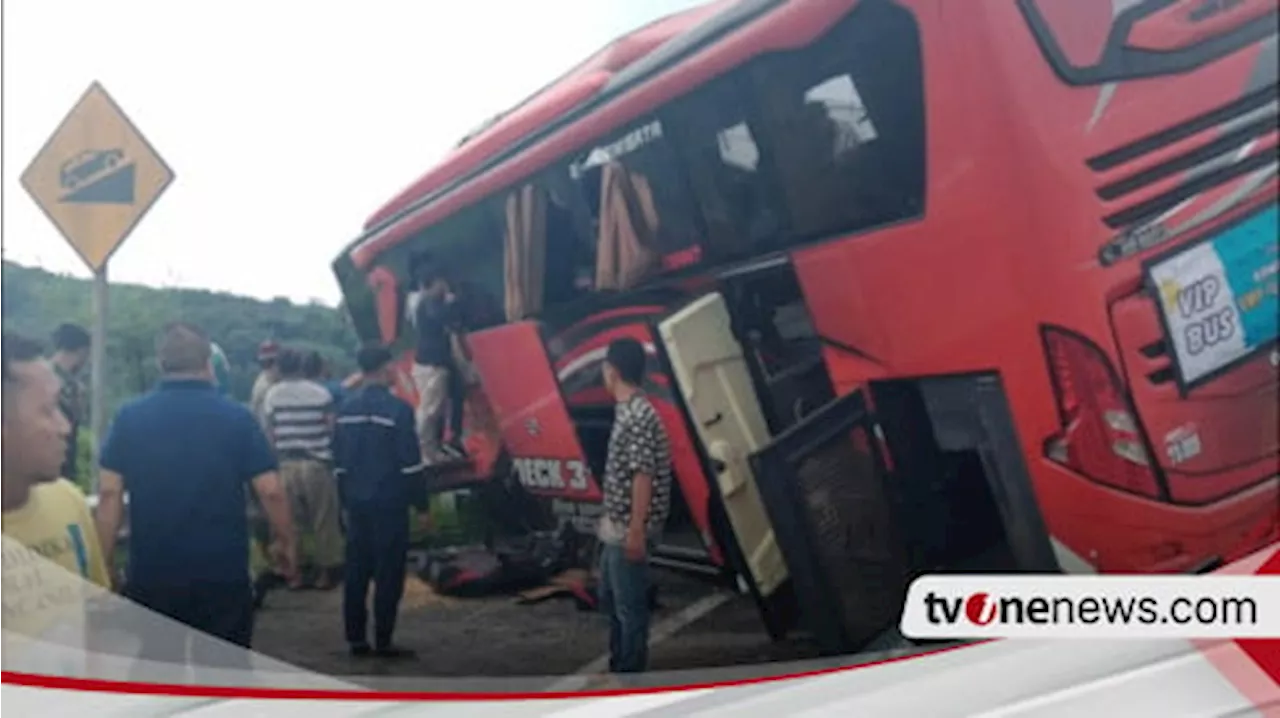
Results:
435 457
360 650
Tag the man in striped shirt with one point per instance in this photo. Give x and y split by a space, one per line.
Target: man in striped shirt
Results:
298 414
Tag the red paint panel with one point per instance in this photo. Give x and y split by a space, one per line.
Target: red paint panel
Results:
525 396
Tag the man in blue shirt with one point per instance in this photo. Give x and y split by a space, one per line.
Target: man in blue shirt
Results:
378 463
186 456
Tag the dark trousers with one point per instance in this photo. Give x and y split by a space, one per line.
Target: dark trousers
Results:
377 550
624 599
223 610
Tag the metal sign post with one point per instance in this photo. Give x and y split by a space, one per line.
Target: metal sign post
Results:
95 178
97 369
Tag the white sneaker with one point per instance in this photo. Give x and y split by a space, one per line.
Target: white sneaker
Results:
432 458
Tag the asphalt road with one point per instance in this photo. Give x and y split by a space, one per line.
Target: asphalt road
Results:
696 626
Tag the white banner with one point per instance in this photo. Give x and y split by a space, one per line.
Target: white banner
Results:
977 607
1201 311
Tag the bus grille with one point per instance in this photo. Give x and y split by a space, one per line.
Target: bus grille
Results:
1211 163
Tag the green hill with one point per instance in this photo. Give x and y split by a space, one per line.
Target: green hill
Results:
36 301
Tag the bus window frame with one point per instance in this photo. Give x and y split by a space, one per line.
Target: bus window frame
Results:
849 62
735 83
396 260
360 301
672 164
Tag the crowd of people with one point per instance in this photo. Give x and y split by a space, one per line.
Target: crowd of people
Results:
205 476
191 461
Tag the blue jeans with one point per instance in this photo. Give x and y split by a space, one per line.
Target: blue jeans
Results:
624 598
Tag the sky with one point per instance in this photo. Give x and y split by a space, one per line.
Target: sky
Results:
286 123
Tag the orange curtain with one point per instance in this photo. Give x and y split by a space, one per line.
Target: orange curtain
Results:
627 250
525 255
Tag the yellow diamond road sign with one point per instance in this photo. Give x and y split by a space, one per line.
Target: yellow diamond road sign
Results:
96 177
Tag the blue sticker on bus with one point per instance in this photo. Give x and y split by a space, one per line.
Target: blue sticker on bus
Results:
1250 257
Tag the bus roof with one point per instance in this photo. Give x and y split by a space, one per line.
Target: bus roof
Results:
728 24
552 101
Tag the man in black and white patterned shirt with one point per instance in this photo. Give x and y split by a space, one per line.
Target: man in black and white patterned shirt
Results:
637 499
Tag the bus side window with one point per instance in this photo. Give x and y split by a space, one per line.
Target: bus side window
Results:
571 237
844 120
635 173
546 251
359 302
716 132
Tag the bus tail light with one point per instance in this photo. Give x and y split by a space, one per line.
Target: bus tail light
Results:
1100 438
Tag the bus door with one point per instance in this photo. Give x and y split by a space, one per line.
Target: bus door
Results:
825 486
531 414
712 376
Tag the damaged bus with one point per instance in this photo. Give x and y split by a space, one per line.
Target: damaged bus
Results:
928 285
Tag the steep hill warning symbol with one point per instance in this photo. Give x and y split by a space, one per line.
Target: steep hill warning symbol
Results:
98 176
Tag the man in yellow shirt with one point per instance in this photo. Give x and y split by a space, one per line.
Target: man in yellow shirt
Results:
52 558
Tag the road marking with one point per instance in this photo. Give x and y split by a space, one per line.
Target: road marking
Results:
661 631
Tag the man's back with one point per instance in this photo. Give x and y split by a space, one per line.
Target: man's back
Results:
296 413
433 318
186 455
375 448
637 445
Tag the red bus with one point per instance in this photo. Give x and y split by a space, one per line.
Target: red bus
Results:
929 285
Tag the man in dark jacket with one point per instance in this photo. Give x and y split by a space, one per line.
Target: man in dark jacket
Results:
380 469
70 355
